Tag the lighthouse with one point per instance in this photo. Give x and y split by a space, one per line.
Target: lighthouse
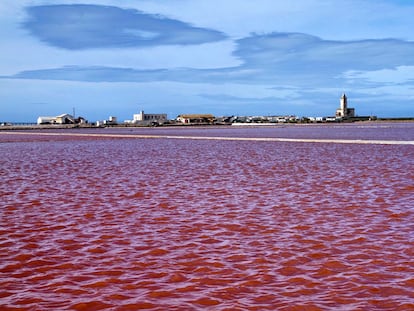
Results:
344 111
344 105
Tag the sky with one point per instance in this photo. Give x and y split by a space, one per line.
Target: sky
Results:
104 58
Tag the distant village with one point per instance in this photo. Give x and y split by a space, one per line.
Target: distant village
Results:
342 114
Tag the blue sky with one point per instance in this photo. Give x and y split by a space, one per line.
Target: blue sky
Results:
233 57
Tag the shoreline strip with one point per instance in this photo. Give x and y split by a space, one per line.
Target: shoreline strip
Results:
265 139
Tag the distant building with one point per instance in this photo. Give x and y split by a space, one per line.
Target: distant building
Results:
147 118
196 118
343 111
111 121
60 119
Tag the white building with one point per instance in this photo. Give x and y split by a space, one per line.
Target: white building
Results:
142 117
344 111
60 119
196 118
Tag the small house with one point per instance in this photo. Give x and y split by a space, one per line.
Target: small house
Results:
196 118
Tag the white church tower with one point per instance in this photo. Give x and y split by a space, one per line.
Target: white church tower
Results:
344 104
344 111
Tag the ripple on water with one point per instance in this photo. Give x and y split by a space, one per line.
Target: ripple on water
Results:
127 224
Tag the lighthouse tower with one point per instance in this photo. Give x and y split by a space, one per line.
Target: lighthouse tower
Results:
344 105
344 111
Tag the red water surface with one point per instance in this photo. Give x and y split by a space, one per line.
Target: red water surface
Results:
164 224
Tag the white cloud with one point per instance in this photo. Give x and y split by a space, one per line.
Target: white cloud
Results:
16 58
401 74
334 20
